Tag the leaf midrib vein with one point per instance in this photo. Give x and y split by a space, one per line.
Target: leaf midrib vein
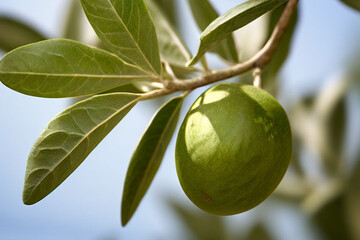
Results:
80 75
84 137
132 37
155 151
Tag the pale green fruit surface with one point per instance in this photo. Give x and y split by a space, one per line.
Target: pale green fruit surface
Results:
233 148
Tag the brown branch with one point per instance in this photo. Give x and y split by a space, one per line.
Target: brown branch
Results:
259 60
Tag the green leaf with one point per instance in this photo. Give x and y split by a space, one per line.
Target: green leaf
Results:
129 88
126 28
232 20
168 8
148 156
172 48
331 219
65 68
259 232
136 87
204 14
355 4
352 200
69 138
14 33
73 23
278 59
330 109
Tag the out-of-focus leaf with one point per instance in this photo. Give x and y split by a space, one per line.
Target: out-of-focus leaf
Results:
355 4
295 161
278 59
126 28
331 115
69 138
331 219
168 8
73 21
336 127
203 226
14 33
320 123
172 48
148 156
259 232
352 200
204 14
232 20
65 68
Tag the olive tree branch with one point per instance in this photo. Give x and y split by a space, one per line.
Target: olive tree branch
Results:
258 61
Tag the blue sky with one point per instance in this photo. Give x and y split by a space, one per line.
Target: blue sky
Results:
87 204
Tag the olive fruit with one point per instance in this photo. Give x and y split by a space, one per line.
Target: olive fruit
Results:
233 148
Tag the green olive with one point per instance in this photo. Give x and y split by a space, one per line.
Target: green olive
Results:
233 148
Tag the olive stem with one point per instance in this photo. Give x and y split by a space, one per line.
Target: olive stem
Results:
259 60
257 77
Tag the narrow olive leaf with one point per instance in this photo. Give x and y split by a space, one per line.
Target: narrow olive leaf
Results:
331 219
330 110
232 20
14 33
168 8
204 13
73 23
126 28
69 138
172 48
355 4
65 68
352 200
136 87
129 88
148 155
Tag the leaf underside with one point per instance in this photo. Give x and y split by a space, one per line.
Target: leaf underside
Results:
65 68
172 48
69 138
232 20
126 28
148 156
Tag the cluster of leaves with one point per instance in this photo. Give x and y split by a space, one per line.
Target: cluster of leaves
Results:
138 37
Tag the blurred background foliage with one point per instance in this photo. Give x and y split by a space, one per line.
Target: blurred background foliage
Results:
323 181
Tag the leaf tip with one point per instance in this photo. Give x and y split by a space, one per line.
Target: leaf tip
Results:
125 217
191 62
196 58
28 199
